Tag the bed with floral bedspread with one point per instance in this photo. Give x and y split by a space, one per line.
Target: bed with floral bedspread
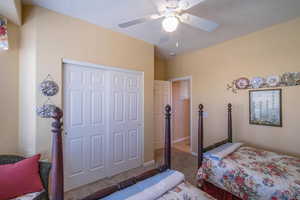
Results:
250 173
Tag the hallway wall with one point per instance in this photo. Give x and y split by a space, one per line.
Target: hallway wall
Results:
181 110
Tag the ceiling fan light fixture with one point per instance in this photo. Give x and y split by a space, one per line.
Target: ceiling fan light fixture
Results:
170 24
184 17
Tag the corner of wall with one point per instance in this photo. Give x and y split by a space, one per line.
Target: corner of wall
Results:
27 81
160 68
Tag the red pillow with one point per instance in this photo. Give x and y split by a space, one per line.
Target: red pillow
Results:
20 178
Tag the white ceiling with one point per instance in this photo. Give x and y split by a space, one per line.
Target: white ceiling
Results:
235 17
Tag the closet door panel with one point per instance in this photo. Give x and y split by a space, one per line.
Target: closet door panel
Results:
133 106
119 144
85 125
126 121
97 152
134 117
118 107
103 121
117 124
77 154
97 108
133 135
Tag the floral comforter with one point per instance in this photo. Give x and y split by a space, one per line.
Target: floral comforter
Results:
251 173
185 191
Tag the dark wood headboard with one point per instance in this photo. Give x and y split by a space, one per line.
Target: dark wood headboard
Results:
57 174
201 149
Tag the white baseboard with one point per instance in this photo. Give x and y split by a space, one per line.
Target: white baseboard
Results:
149 163
181 139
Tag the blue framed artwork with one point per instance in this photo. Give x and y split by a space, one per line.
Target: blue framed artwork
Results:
265 107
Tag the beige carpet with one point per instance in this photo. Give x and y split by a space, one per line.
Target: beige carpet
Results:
181 161
183 146
86 190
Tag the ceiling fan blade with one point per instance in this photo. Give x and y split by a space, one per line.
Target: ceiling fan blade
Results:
187 4
135 22
198 22
139 20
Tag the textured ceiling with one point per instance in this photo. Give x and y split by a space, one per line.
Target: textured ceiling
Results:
235 17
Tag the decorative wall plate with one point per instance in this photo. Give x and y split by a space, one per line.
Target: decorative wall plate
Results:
257 82
296 76
288 79
242 83
46 111
273 81
49 88
283 80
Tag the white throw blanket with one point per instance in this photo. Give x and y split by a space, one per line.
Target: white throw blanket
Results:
160 188
220 152
151 188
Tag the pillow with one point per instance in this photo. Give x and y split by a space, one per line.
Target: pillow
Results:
222 151
20 178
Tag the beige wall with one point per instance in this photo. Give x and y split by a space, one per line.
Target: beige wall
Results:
27 125
160 69
271 51
9 70
59 36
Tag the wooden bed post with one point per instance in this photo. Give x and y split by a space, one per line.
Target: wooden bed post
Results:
168 136
200 136
229 123
57 169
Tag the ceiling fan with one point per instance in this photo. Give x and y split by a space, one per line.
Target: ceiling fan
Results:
173 12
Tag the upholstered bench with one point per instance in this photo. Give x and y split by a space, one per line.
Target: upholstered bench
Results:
44 168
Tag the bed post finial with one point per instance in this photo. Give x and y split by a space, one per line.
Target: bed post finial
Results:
168 136
201 107
57 173
229 122
200 136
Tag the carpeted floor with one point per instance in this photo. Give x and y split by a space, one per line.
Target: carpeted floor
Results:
184 146
181 161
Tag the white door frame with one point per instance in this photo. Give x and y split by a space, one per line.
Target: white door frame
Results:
163 111
191 107
87 64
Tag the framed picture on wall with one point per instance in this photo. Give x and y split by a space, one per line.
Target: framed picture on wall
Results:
265 107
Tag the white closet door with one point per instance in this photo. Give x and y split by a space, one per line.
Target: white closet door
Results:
126 124
85 140
162 97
